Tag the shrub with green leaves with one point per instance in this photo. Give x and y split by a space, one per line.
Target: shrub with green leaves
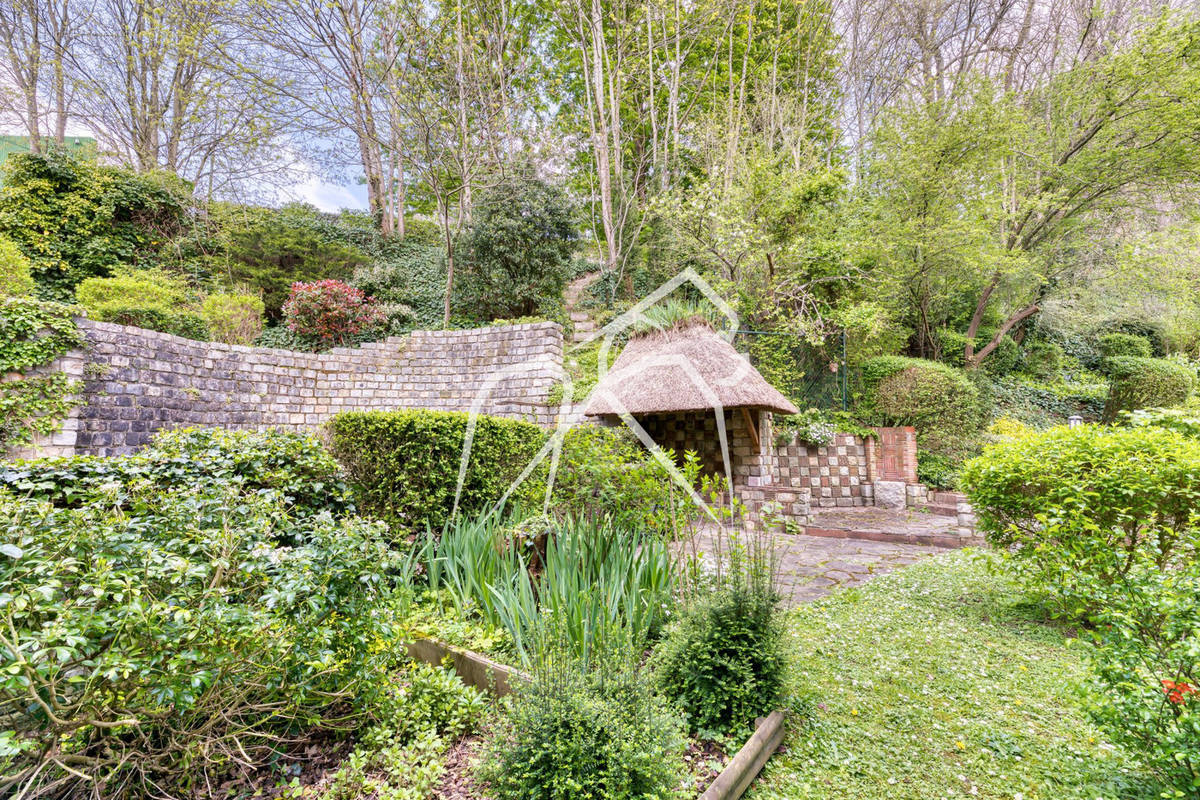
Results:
515 259
723 661
1184 420
1146 383
233 318
405 464
401 756
605 472
1118 345
939 401
75 218
294 465
1042 359
1078 509
147 299
595 733
32 334
175 641
1146 663
16 279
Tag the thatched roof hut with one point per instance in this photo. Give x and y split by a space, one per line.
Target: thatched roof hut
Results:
685 369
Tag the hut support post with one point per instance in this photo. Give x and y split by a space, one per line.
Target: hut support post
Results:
751 428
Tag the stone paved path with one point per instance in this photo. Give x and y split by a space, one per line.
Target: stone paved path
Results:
581 320
813 566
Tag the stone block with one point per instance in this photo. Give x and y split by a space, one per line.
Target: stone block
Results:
890 495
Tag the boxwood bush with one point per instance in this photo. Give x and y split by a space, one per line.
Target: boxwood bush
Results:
1118 345
1145 383
405 464
173 644
575 733
939 401
1078 508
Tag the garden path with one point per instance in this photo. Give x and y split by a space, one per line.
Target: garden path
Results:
582 322
811 567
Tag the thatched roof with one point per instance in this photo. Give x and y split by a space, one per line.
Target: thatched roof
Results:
686 369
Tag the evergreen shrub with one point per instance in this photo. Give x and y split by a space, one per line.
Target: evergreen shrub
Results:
941 402
405 464
1146 383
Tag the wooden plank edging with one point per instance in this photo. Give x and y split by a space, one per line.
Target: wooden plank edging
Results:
472 668
737 776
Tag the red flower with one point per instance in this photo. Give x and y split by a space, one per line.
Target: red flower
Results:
1177 691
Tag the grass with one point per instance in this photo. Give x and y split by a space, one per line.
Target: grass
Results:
941 681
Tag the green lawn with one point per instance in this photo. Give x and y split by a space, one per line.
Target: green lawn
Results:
939 682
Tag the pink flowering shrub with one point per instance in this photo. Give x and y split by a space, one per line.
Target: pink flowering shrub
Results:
331 313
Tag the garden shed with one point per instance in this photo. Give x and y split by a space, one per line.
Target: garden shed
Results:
673 381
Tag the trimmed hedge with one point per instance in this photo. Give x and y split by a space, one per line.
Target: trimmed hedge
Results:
939 401
1145 383
405 464
1116 345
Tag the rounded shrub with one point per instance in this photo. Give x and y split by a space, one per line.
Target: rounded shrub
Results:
233 318
599 734
146 299
331 313
16 274
1115 345
1076 507
1042 359
941 402
1146 383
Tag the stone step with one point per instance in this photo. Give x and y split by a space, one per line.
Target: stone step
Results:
579 336
940 509
948 538
946 498
579 316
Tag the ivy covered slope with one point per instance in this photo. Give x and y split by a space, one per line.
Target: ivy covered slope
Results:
33 334
942 681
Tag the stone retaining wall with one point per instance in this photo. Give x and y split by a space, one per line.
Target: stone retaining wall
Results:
136 381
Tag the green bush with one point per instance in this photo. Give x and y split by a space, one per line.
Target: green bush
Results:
1145 383
515 259
1042 359
723 661
233 318
1117 345
147 299
402 756
406 463
574 734
146 645
293 465
939 401
76 219
16 279
1183 420
936 471
270 249
1077 509
1146 662
605 472
1001 361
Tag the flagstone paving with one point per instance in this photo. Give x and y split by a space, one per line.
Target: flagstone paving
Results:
811 567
